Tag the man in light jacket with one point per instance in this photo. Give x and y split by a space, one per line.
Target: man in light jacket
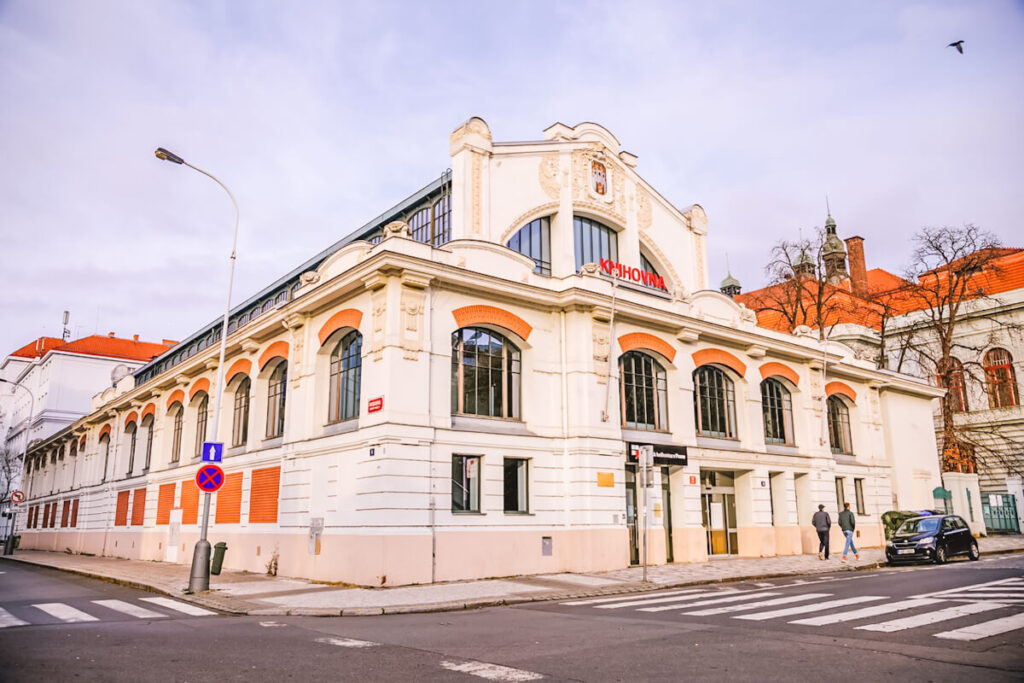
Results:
847 522
822 523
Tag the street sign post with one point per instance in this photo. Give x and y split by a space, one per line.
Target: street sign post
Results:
213 451
209 478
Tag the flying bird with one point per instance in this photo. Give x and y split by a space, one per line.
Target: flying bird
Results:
959 45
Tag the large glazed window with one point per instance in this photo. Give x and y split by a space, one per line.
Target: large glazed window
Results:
777 406
346 371
534 240
275 400
177 420
642 392
714 402
432 224
594 241
240 415
201 419
147 424
485 374
839 426
132 431
956 392
1000 379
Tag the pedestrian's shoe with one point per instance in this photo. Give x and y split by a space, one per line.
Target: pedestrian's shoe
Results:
857 555
821 555
844 558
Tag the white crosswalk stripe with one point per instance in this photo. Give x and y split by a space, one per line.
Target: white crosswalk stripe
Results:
803 609
754 605
65 613
129 609
184 607
1004 590
928 618
985 629
732 598
620 598
678 598
867 612
8 619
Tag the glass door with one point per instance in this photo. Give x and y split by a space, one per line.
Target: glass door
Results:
632 521
666 507
719 516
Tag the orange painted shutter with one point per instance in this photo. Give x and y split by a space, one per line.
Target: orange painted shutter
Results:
121 513
139 507
263 495
164 503
74 513
64 513
229 500
189 502
46 515
53 515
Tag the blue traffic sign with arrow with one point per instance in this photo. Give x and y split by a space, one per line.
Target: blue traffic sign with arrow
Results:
212 451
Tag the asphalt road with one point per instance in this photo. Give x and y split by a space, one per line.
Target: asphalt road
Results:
962 621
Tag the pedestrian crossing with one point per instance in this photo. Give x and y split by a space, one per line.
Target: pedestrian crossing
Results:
96 610
994 607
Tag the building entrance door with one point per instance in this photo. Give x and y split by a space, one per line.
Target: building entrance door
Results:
718 509
666 511
632 515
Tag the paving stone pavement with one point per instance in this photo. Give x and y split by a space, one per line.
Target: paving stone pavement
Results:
241 592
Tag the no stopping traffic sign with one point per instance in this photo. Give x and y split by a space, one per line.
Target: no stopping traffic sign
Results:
209 478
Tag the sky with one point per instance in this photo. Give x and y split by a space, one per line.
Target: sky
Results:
320 115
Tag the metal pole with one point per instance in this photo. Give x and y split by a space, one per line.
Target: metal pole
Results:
646 457
199 578
9 545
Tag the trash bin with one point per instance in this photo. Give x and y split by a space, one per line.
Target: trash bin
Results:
218 557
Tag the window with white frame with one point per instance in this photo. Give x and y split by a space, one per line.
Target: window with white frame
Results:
642 392
177 422
485 374
858 491
777 407
839 426
516 485
240 415
465 483
275 400
714 402
345 377
202 414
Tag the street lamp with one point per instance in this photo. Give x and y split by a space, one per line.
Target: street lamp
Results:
9 545
199 579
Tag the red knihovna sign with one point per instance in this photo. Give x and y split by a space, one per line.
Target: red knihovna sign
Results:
644 277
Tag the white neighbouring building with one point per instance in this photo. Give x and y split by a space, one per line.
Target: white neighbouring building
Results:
448 393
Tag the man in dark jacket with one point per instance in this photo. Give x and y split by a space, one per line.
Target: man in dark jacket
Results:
822 523
847 522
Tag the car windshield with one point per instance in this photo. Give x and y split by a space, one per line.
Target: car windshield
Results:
920 525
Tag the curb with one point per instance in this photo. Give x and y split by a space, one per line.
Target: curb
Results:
454 605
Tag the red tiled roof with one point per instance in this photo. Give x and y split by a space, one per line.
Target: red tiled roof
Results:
95 345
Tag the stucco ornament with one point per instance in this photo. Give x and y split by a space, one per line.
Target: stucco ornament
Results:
602 347
477 179
747 315
590 269
380 314
397 229
412 323
547 174
310 277
644 210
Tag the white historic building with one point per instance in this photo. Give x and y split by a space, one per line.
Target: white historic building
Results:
449 393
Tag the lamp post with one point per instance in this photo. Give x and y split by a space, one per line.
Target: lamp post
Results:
199 579
9 545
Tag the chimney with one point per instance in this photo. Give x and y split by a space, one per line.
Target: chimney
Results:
110 334
858 271
135 337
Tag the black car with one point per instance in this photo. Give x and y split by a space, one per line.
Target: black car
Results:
934 538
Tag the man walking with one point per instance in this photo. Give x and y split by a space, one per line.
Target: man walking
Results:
822 523
847 522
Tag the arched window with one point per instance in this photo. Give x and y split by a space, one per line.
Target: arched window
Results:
432 224
177 413
1000 379
346 375
648 267
147 423
594 241
534 240
105 450
642 392
714 402
839 426
132 431
777 406
485 374
202 415
956 392
240 416
275 400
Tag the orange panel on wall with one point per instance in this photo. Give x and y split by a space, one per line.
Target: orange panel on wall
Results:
229 500
263 495
139 507
164 503
74 513
189 502
64 513
121 513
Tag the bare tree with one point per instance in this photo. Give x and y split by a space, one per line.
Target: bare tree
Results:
799 288
952 268
10 468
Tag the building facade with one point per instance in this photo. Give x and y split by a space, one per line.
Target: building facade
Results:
450 392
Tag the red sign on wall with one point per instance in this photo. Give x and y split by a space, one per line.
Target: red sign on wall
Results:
640 275
375 404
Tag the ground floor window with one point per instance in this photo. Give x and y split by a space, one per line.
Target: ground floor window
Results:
516 470
840 494
858 490
465 483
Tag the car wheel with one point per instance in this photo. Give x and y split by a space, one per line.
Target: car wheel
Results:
940 554
973 551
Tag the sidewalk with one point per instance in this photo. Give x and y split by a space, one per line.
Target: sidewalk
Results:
246 593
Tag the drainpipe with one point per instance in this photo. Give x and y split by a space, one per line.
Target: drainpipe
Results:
565 420
431 504
611 347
